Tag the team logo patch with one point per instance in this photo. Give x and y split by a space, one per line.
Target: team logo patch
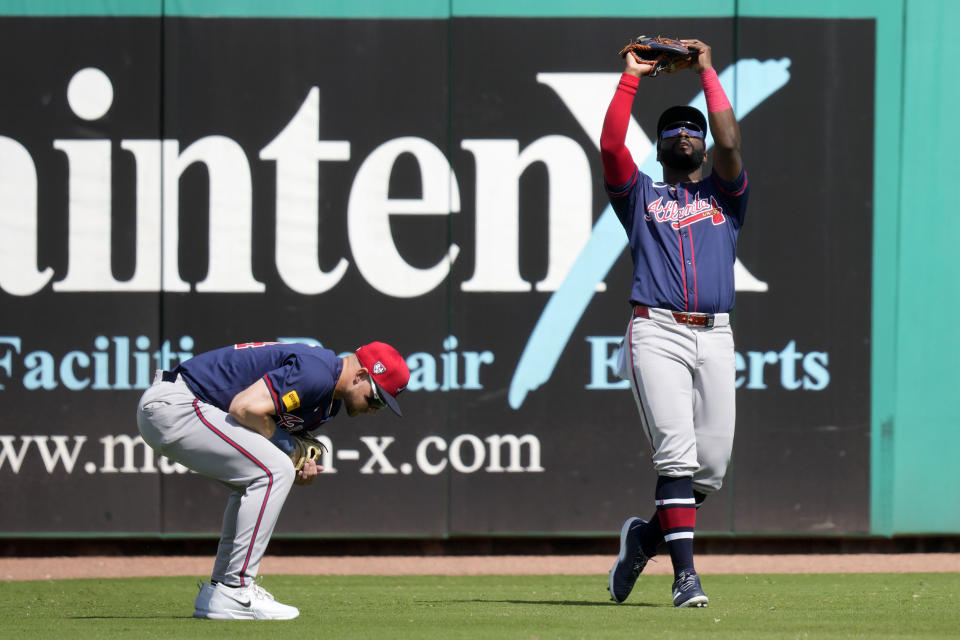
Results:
291 401
288 421
378 368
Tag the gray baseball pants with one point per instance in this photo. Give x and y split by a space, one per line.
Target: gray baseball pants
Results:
180 426
683 381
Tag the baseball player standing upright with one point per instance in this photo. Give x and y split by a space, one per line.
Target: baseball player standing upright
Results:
234 414
678 349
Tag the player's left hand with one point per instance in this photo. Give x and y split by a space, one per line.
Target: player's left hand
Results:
308 473
703 61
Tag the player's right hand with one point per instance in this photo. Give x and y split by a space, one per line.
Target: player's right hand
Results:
637 68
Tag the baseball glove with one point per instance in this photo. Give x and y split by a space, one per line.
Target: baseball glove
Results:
307 449
665 54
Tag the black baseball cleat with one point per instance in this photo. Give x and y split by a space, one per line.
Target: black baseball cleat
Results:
687 591
630 562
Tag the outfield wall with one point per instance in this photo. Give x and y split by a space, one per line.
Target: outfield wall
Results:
179 176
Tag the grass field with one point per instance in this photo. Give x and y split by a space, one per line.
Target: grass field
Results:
923 605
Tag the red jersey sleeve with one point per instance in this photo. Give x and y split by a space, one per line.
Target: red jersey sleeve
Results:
618 164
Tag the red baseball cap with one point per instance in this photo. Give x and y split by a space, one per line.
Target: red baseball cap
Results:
388 369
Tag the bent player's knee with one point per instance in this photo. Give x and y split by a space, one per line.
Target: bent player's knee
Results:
709 478
706 484
278 469
286 472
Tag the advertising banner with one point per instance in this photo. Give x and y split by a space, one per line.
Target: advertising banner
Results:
173 186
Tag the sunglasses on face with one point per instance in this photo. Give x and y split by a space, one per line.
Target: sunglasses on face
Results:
374 401
693 130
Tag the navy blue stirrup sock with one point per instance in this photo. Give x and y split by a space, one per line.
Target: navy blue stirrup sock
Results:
677 513
652 536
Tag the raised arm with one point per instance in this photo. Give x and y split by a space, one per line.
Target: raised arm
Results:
618 164
727 162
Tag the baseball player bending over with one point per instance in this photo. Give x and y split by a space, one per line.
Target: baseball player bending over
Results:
242 415
678 349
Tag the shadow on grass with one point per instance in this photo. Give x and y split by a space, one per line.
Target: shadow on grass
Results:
128 617
562 603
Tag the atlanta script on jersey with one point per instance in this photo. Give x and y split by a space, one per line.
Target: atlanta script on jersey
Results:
683 240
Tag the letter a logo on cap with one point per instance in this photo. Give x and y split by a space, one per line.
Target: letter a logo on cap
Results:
388 370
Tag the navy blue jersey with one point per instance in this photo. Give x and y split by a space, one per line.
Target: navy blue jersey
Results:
300 379
683 239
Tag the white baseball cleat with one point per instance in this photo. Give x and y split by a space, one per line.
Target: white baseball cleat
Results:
252 602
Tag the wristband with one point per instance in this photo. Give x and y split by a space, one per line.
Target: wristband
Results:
284 441
713 92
